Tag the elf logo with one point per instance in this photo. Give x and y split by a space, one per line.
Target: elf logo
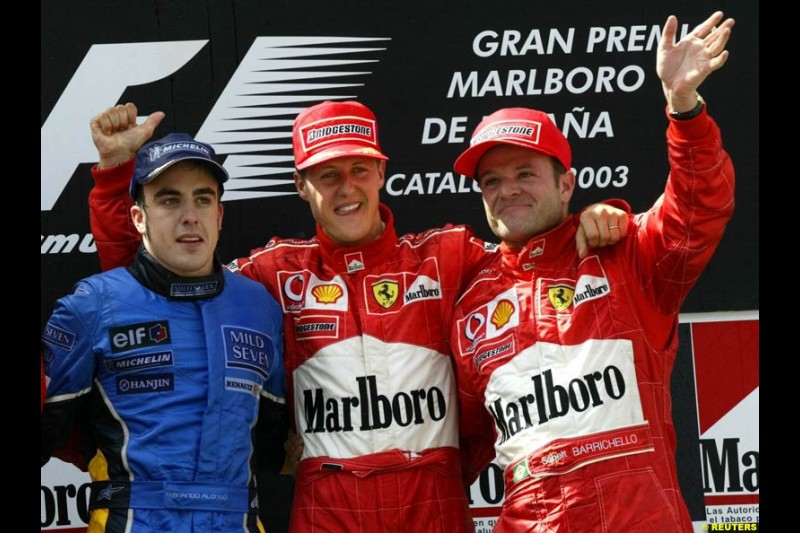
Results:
132 336
263 78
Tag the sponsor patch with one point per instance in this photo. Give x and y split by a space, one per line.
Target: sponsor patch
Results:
327 294
316 327
489 321
391 291
503 313
139 362
242 385
143 383
184 290
525 130
494 350
385 292
589 288
560 296
141 335
537 248
521 471
474 331
292 286
423 288
248 349
304 290
60 337
339 129
354 261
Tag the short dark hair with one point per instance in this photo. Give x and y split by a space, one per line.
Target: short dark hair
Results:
558 166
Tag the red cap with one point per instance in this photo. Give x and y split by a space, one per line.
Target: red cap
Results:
518 126
334 129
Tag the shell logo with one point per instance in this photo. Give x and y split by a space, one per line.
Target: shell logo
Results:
327 294
502 313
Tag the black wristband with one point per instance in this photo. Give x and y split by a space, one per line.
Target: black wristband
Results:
686 115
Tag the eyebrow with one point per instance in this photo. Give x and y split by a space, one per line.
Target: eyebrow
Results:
174 192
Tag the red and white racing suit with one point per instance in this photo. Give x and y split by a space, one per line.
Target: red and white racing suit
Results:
368 365
573 357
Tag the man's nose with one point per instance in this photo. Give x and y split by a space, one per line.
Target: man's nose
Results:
509 187
189 213
348 183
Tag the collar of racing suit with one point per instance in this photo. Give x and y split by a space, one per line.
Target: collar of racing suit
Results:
544 248
155 277
348 259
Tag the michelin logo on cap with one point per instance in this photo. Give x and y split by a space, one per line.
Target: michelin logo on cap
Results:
156 152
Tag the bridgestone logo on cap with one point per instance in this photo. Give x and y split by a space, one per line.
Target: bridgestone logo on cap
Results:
339 129
523 130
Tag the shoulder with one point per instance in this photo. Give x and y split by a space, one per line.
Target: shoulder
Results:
242 283
275 253
252 288
455 233
483 286
98 283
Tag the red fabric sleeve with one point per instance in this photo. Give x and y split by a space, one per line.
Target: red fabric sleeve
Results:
109 216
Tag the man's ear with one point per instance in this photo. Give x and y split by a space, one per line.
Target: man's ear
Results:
221 212
139 218
382 171
300 185
567 186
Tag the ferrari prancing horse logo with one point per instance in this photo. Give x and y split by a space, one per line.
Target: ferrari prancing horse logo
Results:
560 296
385 292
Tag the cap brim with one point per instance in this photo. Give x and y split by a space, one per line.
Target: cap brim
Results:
341 150
217 170
467 162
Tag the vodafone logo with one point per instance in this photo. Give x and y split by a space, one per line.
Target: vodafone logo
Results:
263 78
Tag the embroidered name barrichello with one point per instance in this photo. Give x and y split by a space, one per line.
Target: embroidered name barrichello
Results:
59 337
132 336
145 383
139 362
371 409
547 400
248 349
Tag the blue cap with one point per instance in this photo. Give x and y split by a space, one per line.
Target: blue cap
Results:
156 156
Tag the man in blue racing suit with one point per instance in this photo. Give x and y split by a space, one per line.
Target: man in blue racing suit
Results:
172 367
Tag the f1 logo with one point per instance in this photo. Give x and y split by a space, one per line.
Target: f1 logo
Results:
109 69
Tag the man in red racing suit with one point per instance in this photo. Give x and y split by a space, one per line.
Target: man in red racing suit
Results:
366 326
572 357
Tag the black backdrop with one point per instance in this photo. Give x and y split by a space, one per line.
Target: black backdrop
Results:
409 56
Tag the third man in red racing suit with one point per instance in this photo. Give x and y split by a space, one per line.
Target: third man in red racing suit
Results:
572 356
